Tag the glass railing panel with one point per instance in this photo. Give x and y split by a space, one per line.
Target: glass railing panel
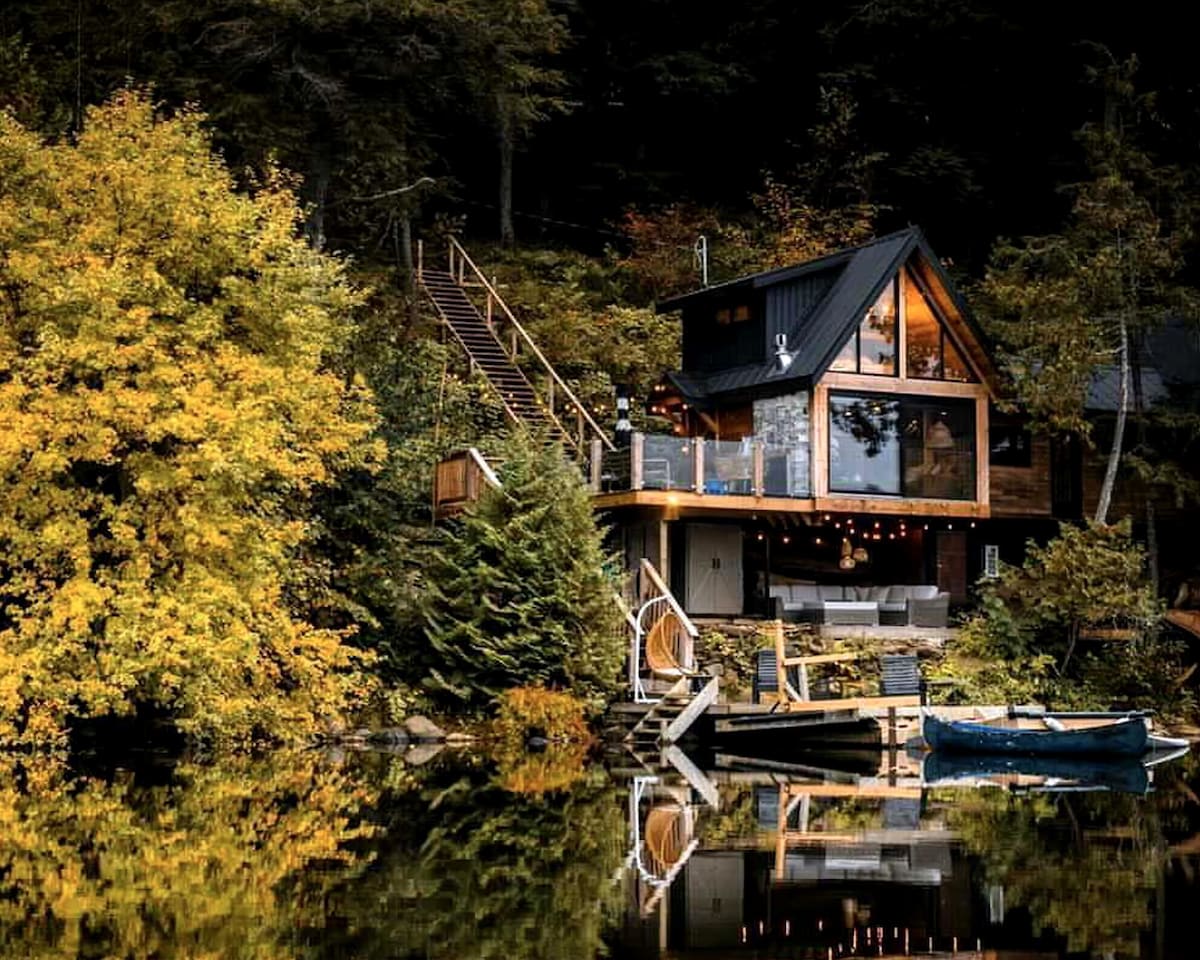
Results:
787 470
616 470
729 467
667 463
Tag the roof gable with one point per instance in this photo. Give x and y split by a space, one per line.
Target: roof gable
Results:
815 337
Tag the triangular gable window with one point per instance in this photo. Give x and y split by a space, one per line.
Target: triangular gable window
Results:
872 347
930 350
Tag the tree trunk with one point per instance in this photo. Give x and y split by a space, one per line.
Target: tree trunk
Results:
504 137
1147 490
318 191
407 270
1114 454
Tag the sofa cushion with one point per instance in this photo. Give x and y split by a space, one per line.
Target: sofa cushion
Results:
802 592
862 594
879 594
927 591
893 606
897 594
831 592
780 591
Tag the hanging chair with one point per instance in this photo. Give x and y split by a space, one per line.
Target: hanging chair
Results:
664 837
660 646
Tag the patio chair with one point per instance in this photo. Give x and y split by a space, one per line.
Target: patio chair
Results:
901 676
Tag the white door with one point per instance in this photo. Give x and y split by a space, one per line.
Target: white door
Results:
714 569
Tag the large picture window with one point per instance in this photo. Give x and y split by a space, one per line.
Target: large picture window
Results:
902 446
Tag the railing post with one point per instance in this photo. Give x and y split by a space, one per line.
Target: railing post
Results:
579 424
420 258
450 259
758 461
698 464
550 395
780 669
597 463
488 318
636 450
514 344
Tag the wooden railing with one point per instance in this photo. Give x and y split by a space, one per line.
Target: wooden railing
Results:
553 393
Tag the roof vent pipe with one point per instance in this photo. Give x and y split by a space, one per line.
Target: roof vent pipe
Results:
783 357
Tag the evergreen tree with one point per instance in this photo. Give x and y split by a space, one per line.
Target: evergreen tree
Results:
518 593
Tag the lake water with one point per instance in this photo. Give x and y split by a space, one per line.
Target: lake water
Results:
546 856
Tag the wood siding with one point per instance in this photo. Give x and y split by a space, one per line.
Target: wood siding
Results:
1023 491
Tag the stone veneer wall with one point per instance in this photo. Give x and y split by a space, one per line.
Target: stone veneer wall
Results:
782 423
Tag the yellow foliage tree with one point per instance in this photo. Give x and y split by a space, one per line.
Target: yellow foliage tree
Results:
167 407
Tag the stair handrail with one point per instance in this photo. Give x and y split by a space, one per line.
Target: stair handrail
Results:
581 410
660 585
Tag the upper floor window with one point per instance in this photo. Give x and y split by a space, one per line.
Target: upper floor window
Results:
736 314
930 352
872 348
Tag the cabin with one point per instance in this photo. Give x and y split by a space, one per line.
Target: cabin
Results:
836 448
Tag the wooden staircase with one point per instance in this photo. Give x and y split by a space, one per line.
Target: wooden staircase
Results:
534 396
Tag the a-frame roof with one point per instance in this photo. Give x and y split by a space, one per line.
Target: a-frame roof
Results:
855 278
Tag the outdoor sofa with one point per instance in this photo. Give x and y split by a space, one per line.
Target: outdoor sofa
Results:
916 605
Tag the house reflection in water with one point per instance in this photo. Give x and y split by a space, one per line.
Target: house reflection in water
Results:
859 876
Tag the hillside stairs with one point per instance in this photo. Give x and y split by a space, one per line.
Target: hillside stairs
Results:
534 396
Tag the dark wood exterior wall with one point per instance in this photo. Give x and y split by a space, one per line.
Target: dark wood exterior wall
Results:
1023 491
709 346
788 303
1127 499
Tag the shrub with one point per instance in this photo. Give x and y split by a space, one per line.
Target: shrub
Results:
535 711
1027 639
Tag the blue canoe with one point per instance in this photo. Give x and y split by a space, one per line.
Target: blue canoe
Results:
1126 737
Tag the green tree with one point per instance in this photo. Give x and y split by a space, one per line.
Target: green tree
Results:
1032 618
1070 305
170 408
518 593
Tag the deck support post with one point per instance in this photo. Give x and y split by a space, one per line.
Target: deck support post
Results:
758 468
698 464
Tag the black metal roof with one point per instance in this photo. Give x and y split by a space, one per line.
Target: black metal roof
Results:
815 338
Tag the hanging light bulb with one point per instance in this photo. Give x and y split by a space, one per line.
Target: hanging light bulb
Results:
847 561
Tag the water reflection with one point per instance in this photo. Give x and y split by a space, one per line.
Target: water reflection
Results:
546 857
